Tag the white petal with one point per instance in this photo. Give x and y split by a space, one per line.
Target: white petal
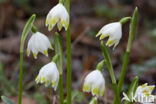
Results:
38 43
50 73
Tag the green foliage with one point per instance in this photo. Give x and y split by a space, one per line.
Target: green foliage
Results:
40 98
6 100
132 88
77 96
58 50
4 1
7 86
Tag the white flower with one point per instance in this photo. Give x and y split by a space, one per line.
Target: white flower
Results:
38 43
93 101
49 75
95 83
142 95
114 31
57 15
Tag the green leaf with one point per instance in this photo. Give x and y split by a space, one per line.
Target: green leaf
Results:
26 30
132 88
6 83
58 50
77 96
39 97
6 100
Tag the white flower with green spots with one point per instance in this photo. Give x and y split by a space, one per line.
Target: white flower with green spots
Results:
49 75
142 95
113 31
57 15
38 43
146 92
95 83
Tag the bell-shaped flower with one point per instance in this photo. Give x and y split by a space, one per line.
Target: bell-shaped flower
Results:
142 95
95 83
57 15
113 31
38 43
49 75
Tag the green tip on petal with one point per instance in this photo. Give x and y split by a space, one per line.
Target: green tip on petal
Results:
47 21
53 83
95 91
28 53
144 85
110 42
66 26
42 79
35 55
102 36
37 79
151 87
50 27
85 88
46 53
102 92
51 47
47 83
53 21
98 34
59 26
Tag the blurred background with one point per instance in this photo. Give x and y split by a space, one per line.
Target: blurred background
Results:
87 18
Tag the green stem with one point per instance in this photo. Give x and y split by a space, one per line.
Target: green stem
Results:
61 94
25 32
124 20
111 71
20 79
68 39
68 43
61 1
100 65
130 40
59 61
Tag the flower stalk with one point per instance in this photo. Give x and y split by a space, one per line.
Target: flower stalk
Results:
68 44
126 56
25 32
130 39
59 53
100 65
111 71
124 20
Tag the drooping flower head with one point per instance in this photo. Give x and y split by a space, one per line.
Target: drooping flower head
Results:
113 31
38 43
142 95
49 75
95 83
57 15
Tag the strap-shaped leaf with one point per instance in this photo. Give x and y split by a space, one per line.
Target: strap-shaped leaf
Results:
6 100
26 30
132 88
59 62
58 50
